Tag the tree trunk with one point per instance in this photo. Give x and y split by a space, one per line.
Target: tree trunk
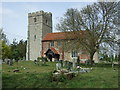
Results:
91 57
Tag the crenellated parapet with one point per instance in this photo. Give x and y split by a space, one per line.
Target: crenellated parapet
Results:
38 13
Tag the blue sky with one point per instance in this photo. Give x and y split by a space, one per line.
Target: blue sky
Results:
15 20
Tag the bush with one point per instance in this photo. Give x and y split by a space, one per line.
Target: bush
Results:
44 59
39 58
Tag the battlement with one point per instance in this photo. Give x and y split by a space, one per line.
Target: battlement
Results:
40 13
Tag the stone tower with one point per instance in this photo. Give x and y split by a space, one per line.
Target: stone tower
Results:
39 24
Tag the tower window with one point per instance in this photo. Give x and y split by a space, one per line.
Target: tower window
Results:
34 37
46 21
35 20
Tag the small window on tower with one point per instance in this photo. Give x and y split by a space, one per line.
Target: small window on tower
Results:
46 21
34 37
35 20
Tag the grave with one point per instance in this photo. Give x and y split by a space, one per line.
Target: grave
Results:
58 66
16 70
74 62
61 62
69 65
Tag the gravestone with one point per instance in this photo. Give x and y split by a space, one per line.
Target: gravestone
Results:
58 66
7 61
35 61
61 62
10 62
78 61
69 65
64 63
74 62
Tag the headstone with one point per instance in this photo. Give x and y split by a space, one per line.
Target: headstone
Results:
10 62
16 70
64 63
78 61
35 61
112 65
0 61
74 63
61 62
58 66
13 60
7 61
69 65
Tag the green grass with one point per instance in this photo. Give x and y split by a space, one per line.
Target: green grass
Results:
38 76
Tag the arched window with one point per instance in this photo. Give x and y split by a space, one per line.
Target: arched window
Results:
74 53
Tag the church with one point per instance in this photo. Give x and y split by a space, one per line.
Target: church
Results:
42 42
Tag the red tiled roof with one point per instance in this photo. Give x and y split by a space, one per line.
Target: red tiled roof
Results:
53 49
60 36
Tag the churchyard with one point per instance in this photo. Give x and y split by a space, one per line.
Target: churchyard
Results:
27 74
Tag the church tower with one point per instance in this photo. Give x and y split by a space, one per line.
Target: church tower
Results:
39 24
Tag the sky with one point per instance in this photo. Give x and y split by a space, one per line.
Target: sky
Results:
15 15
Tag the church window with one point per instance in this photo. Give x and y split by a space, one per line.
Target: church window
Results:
52 44
34 37
74 53
46 21
35 20
58 43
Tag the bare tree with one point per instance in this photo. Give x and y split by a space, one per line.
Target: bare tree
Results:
97 23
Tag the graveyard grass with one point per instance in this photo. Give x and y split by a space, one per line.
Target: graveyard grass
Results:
38 76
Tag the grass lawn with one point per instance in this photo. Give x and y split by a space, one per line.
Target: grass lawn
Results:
38 76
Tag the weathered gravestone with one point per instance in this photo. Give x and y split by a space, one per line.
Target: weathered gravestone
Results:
35 61
61 62
74 62
69 65
58 66
9 62
16 70
78 61
64 63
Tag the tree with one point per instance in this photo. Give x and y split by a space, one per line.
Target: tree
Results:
5 50
22 48
2 35
98 21
18 49
14 50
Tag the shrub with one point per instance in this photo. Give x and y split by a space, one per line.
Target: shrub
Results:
39 58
